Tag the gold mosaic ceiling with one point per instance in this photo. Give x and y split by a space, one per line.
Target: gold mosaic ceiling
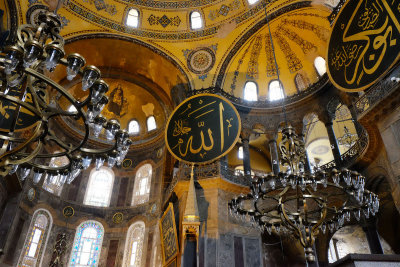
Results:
204 55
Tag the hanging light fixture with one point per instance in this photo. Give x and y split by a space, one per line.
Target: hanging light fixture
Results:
33 103
303 203
299 202
347 139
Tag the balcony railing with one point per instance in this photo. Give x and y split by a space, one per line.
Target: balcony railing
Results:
376 93
229 173
350 156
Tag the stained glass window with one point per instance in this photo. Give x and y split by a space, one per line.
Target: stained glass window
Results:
319 64
132 20
275 91
36 240
54 183
141 189
134 245
87 245
250 91
196 22
98 192
151 123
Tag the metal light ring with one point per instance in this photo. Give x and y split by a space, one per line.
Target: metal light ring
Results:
21 103
283 200
8 161
66 94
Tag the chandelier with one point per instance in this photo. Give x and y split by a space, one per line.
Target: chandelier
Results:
303 203
32 106
347 139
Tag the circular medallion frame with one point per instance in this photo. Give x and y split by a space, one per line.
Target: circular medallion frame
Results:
374 65
232 141
68 212
201 60
118 217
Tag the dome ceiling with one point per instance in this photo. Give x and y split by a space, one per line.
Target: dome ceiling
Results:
298 38
203 54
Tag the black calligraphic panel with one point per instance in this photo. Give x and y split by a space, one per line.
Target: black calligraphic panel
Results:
202 128
169 236
364 43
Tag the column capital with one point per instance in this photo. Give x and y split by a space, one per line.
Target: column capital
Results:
245 134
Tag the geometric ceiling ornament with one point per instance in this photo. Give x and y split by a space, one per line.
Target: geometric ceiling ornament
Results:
363 44
201 61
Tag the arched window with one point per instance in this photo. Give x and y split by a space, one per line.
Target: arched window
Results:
275 91
141 189
55 183
134 245
132 20
252 2
98 192
36 240
301 81
72 108
319 64
250 91
196 21
133 127
240 152
151 123
87 245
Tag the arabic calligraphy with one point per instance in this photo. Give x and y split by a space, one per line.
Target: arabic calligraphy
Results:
168 234
362 48
202 128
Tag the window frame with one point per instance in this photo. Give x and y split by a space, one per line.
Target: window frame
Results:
147 123
129 242
137 185
280 87
127 16
244 91
43 239
91 176
316 68
78 235
252 4
135 133
201 18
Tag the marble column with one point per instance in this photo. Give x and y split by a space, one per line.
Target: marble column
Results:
373 238
307 166
246 157
334 143
273 149
357 125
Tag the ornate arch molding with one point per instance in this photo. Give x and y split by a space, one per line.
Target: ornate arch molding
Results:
135 41
221 74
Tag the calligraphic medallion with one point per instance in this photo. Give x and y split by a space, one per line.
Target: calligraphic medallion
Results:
202 129
364 43
68 211
117 217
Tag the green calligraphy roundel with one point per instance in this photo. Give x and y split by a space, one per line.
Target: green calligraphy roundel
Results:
202 129
364 43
